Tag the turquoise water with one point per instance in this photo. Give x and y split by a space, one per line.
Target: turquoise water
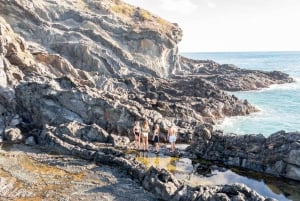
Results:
279 104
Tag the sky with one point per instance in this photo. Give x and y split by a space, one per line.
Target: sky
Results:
231 25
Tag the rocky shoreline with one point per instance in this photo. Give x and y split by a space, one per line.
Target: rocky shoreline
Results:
160 183
276 155
88 143
75 75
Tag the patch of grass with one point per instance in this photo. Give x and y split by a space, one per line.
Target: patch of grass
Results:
144 15
122 9
162 21
136 13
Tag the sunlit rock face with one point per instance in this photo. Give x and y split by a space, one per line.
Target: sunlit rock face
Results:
109 38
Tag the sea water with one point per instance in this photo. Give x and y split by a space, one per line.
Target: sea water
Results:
279 105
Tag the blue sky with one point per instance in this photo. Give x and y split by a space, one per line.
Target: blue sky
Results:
231 25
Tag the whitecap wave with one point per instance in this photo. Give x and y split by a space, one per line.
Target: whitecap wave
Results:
287 86
264 122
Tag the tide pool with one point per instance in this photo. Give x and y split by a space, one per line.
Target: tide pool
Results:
186 171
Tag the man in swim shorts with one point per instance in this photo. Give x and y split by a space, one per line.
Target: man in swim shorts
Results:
172 137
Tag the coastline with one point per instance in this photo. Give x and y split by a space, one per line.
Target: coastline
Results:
269 119
73 82
278 101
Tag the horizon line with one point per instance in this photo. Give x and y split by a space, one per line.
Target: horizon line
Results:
236 51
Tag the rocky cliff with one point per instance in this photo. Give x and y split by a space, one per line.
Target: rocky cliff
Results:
109 63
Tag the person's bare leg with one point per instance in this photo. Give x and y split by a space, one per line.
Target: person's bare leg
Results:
173 146
147 144
136 141
139 142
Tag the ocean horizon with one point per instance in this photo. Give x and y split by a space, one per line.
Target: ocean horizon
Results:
279 104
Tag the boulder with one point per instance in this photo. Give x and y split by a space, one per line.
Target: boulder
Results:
119 141
13 135
161 183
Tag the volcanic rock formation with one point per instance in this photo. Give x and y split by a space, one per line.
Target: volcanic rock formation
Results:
109 63
100 65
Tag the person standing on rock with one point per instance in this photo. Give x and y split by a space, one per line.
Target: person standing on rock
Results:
145 131
172 137
137 134
155 138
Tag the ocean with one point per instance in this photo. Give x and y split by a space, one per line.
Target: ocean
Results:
279 104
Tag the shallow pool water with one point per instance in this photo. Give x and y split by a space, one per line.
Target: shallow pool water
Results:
195 174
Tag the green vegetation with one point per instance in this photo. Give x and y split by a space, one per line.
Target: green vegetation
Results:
122 9
139 13
144 15
162 21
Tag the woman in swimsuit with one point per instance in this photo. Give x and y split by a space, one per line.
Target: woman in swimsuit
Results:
155 138
145 130
137 131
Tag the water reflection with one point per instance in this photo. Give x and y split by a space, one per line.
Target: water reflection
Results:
195 174
157 160
229 177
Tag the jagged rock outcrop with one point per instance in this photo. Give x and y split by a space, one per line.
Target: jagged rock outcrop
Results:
66 140
276 155
231 78
190 102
